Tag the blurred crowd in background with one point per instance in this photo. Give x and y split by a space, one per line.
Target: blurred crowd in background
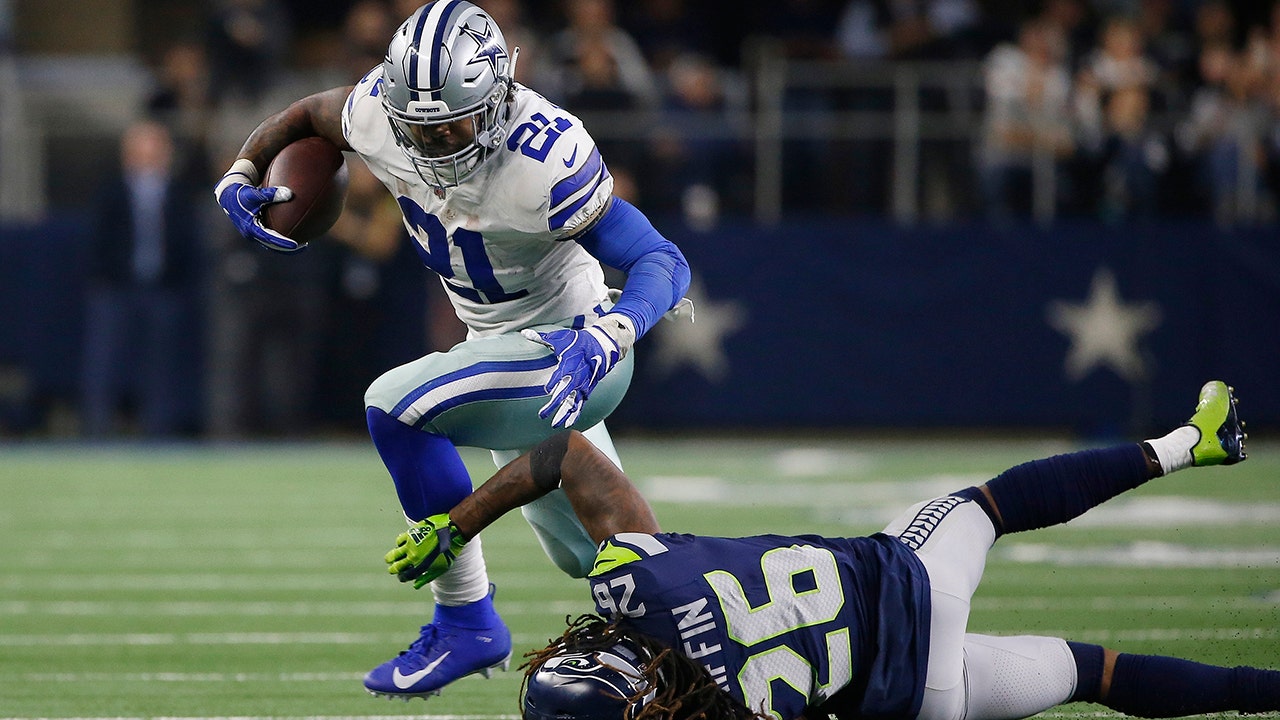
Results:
1115 110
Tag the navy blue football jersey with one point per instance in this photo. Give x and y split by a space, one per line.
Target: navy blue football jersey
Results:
781 623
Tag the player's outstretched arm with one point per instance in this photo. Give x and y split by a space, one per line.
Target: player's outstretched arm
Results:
602 496
318 115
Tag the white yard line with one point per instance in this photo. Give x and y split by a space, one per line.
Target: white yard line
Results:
261 608
1236 634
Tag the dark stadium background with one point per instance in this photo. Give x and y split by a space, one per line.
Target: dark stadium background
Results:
834 308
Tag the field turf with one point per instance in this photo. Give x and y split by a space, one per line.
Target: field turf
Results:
246 581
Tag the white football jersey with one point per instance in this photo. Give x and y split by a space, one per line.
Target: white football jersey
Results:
498 239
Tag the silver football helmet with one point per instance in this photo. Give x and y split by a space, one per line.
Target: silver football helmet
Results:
448 63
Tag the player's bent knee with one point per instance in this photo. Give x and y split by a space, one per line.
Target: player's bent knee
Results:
1016 677
381 394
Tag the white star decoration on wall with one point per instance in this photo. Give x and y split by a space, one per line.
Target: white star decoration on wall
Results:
700 342
1104 331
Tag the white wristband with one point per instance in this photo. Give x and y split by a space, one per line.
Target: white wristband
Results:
619 328
242 170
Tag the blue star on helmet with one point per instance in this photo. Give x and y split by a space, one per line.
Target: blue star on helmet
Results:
488 50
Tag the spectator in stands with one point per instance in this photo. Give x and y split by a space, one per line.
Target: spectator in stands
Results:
928 29
592 31
248 43
1027 120
1074 21
144 280
691 170
598 87
181 96
1267 92
1215 24
1271 141
1217 131
182 100
668 29
531 69
1135 157
802 27
812 178
1112 108
365 29
1166 33
1119 61
598 83
881 30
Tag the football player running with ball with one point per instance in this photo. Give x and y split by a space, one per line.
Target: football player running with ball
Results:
781 628
509 201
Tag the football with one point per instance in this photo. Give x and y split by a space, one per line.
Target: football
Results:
314 169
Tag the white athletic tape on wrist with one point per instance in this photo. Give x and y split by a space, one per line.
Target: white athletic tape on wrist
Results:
242 170
618 328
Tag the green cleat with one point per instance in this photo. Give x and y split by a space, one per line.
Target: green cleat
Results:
1221 432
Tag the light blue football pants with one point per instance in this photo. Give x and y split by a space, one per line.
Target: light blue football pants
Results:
486 393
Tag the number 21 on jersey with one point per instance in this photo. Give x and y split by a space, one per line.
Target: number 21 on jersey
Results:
485 287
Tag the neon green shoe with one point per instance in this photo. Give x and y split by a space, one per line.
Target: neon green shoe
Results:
1221 432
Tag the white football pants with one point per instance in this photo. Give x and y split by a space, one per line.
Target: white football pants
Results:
975 677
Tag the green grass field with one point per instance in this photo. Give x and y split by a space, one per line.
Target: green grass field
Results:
247 581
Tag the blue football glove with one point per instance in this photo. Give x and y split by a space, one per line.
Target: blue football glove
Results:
585 357
242 200
425 551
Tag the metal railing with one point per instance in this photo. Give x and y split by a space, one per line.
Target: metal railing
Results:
906 124
85 102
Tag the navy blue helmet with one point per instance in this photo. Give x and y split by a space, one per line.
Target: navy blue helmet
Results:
592 685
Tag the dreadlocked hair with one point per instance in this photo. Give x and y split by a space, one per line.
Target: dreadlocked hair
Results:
684 689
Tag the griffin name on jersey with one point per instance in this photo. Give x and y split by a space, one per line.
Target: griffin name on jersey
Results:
497 240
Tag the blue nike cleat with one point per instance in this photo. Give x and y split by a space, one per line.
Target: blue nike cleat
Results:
1222 433
444 652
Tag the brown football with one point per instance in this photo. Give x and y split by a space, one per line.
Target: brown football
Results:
314 169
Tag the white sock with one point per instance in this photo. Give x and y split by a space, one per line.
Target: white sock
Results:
1174 450
466 581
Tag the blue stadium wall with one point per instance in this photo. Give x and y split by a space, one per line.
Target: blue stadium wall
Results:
861 324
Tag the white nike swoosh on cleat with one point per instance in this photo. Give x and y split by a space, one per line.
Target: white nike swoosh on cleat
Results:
404 682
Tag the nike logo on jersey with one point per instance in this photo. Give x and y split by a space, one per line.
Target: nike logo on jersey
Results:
404 682
572 156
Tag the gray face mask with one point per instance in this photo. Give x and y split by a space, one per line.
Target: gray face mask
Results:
448 62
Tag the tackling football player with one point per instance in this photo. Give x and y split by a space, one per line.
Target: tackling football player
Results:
780 628
510 202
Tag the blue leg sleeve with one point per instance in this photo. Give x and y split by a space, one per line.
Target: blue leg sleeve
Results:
1051 491
427 470
1157 687
1090 660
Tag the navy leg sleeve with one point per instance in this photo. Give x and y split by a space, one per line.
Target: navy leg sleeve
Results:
1057 489
429 474
1158 687
1089 664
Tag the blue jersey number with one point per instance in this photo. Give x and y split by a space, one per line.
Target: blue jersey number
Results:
435 255
535 137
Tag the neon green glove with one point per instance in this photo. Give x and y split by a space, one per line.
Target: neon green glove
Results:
425 551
